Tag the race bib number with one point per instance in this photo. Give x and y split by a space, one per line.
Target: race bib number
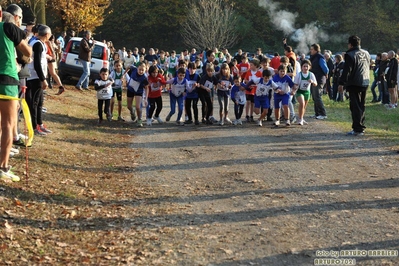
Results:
118 83
190 85
208 84
178 89
261 90
305 85
155 88
224 85
134 84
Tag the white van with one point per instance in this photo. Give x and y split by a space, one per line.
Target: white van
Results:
70 65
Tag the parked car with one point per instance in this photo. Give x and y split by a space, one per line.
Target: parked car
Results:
70 65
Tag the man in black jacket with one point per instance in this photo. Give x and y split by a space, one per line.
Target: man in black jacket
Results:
356 77
392 79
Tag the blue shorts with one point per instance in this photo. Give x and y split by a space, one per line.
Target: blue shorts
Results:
285 98
262 102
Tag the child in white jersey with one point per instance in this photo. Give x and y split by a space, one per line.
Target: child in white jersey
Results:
103 86
303 81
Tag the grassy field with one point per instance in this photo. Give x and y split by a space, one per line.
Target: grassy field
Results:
381 123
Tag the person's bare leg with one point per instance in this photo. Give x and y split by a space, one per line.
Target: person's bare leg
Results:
8 121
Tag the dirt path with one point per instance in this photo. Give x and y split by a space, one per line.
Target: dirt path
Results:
247 195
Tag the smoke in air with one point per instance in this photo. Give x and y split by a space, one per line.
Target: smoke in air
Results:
285 21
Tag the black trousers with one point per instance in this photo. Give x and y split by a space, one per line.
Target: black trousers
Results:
106 104
34 99
194 103
154 102
357 99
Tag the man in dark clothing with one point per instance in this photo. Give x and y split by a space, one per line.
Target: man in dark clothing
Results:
85 48
330 65
382 82
392 79
320 70
356 78
238 56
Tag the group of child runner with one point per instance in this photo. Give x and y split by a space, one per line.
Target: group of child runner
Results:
254 85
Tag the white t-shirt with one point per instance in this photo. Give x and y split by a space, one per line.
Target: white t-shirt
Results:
106 92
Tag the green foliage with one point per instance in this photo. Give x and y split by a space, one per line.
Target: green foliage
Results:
144 23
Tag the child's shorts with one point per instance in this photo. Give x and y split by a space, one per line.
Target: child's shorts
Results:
285 98
118 95
131 94
262 102
306 94
250 97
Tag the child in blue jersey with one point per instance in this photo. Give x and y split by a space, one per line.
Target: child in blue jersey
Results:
239 99
135 89
103 86
177 90
261 97
118 77
207 84
303 81
225 81
282 94
192 94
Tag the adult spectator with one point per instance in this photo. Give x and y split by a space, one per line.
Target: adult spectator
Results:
330 65
28 30
337 72
16 11
238 56
391 77
70 35
61 40
259 54
275 62
122 53
151 56
382 78
85 48
37 81
291 55
11 37
356 78
375 84
320 70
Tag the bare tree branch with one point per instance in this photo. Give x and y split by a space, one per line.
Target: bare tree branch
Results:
210 23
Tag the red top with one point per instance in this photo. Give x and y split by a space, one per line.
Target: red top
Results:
248 76
275 63
243 67
155 92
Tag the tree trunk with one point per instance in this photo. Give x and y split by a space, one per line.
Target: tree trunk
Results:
41 12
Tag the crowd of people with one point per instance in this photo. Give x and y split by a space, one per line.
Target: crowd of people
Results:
210 74
255 84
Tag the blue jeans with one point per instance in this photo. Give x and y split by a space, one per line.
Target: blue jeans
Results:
373 86
84 79
173 100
